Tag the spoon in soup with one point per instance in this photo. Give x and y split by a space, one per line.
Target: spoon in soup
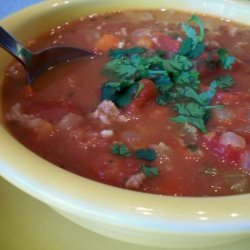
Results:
38 62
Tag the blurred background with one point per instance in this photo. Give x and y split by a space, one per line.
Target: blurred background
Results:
14 5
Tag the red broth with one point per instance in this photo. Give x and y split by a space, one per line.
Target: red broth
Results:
63 119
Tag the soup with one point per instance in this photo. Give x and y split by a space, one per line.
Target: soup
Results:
163 107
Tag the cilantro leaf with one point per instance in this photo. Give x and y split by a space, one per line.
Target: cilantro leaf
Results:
120 149
190 33
146 154
225 59
162 100
120 69
187 49
124 97
163 84
197 52
191 113
224 82
203 98
190 78
207 96
177 64
119 53
198 21
109 90
186 46
149 171
189 93
153 61
139 89
193 45
119 93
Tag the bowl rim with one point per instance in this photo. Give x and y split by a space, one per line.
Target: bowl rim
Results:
113 205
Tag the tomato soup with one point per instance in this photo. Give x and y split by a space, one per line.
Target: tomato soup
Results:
162 107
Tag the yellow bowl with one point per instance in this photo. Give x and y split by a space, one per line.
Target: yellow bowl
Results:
139 218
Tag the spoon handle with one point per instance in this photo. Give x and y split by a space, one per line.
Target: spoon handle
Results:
14 48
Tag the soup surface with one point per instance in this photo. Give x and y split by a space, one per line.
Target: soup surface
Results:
163 107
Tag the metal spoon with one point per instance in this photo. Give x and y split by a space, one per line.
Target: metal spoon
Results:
36 63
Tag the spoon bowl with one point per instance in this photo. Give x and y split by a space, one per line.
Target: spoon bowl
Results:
38 62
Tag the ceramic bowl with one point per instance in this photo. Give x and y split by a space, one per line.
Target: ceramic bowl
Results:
145 219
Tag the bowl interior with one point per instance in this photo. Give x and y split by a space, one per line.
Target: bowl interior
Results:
71 193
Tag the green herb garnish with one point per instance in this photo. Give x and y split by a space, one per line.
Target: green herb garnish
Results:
225 59
121 53
149 171
175 76
139 89
193 45
120 149
224 82
146 154
118 92
220 57
191 113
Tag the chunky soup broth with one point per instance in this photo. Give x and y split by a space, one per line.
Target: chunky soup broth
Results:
163 107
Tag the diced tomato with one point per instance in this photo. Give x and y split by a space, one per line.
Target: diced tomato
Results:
237 65
166 42
149 92
28 91
107 42
227 154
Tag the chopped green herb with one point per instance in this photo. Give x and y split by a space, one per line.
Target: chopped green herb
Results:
203 98
191 113
189 78
198 21
123 68
224 82
177 64
193 45
197 52
187 49
119 93
146 154
163 84
175 77
186 46
119 53
139 89
225 59
162 100
120 149
149 171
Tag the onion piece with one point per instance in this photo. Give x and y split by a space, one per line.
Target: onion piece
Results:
70 121
246 161
232 139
